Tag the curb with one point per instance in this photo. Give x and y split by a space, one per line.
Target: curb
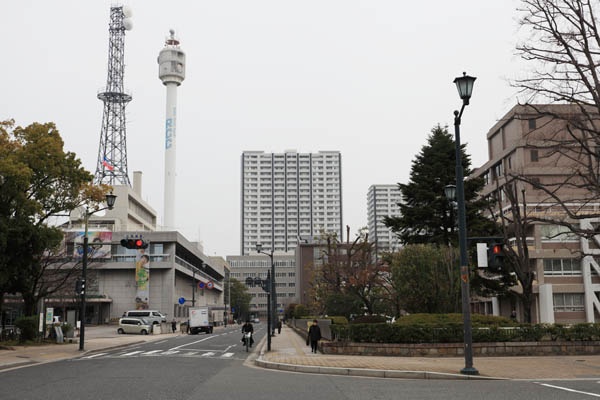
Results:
371 373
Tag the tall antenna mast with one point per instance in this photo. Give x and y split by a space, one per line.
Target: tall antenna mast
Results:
112 155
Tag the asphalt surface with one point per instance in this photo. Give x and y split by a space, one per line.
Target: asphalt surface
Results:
215 366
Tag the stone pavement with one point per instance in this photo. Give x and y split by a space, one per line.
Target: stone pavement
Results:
97 338
290 349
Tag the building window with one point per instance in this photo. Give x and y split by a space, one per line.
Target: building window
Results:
532 124
568 302
562 267
557 233
534 156
535 183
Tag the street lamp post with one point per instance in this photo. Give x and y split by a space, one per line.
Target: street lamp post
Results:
464 84
265 284
273 300
110 202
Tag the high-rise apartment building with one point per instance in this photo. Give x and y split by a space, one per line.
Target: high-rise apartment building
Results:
287 195
382 201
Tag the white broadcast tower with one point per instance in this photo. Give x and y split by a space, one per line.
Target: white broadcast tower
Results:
171 71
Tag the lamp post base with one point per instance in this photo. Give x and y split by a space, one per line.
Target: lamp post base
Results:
469 371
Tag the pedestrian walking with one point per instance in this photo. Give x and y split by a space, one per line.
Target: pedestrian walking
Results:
314 335
279 327
173 325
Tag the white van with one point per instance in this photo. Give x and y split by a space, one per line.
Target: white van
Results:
154 316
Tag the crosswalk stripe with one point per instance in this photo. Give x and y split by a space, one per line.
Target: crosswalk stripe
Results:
96 355
191 353
132 353
226 355
166 353
210 353
151 352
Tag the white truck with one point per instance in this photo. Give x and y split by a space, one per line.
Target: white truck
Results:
200 320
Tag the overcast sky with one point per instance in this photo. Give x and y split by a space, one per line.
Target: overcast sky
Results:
368 78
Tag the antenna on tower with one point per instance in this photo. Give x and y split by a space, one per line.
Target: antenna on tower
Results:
111 168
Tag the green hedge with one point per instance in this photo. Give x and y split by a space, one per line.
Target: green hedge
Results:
28 327
334 320
369 319
453 333
445 319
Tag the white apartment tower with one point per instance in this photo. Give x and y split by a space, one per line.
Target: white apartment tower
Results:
288 195
382 201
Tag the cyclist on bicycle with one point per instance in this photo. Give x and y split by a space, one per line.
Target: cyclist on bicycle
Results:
247 327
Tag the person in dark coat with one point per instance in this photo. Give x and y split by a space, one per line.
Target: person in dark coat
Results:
247 327
314 335
279 327
173 325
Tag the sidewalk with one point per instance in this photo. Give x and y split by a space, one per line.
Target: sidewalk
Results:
95 341
289 352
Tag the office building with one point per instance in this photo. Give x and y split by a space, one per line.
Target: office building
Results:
287 195
382 201
565 270
253 266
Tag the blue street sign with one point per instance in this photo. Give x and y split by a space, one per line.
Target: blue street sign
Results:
232 309
181 300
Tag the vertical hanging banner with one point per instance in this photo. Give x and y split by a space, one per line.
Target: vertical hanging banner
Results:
142 280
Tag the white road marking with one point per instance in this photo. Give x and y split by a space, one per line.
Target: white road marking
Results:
227 355
162 341
130 354
197 341
95 355
233 345
569 390
166 353
191 353
150 352
210 353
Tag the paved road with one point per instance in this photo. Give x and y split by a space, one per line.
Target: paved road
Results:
215 367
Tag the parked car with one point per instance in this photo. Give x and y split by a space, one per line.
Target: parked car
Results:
256 320
134 325
154 316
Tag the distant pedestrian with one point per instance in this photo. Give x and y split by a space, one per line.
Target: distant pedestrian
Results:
279 327
314 335
173 325
513 315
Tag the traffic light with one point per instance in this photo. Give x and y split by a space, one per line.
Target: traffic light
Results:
496 254
79 286
134 243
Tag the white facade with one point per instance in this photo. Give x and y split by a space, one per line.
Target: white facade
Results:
382 201
287 195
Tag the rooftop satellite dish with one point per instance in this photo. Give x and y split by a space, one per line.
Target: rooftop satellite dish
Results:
127 24
127 12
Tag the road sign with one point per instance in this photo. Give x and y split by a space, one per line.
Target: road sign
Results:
181 300
201 285
232 309
210 285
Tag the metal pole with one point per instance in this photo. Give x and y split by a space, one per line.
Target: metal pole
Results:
273 296
83 278
194 288
464 263
269 305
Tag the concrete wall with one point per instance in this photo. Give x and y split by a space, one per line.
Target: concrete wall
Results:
494 349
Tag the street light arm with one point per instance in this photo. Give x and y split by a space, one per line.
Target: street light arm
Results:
458 114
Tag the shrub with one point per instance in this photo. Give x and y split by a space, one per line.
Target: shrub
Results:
369 319
289 311
334 319
300 311
444 319
28 327
453 333
66 328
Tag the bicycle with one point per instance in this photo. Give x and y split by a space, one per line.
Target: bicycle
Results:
247 338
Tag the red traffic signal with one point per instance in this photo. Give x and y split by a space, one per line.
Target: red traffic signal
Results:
134 243
496 249
496 255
